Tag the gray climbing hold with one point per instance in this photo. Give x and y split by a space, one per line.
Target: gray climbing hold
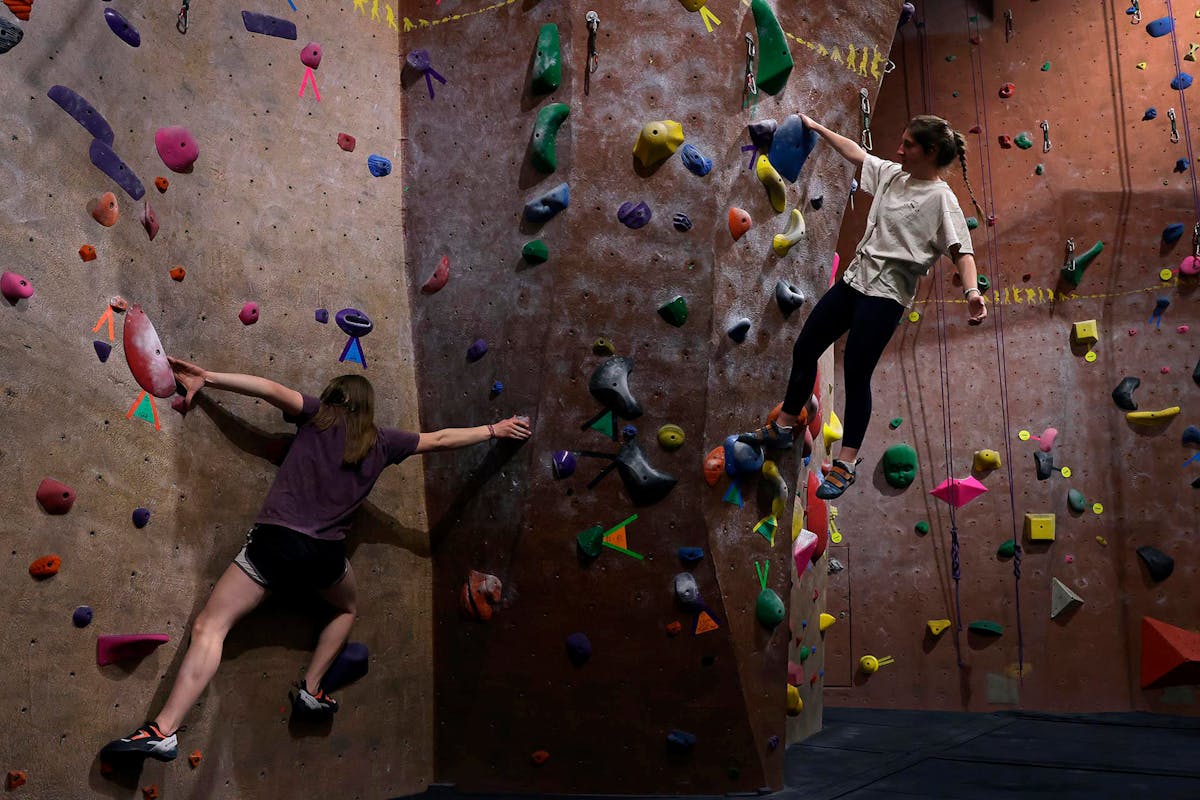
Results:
548 205
646 484
1045 465
788 297
738 330
1123 394
1157 562
835 566
609 384
791 146
10 35
687 591
1061 598
762 133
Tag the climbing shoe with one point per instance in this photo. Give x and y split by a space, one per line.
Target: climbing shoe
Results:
312 705
147 740
772 436
839 479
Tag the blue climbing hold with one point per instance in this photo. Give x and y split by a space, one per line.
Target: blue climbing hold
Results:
350 665
579 648
1181 81
741 458
696 162
477 350
82 617
322 316
545 207
497 388
1151 113
379 166
1172 233
1181 165
791 146
690 555
629 432
1160 27
681 740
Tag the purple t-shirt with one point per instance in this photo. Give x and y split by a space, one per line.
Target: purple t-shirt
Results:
314 492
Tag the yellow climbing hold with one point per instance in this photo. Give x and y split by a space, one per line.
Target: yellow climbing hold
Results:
914 316
796 228
657 141
1151 417
1103 542
832 430
1016 671
937 626
693 5
1085 332
826 620
770 177
670 437
1039 527
1090 356
1141 65
986 460
795 704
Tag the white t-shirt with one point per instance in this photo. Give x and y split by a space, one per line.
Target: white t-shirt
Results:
911 224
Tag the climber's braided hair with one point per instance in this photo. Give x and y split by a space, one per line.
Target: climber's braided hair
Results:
935 135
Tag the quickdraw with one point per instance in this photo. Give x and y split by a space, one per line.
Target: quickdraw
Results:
865 105
1174 127
1069 264
1045 136
181 24
751 89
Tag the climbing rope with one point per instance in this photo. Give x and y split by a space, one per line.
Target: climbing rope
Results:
1183 111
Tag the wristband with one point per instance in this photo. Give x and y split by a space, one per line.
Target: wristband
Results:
492 431
967 292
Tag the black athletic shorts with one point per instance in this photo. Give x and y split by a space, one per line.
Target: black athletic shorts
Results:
284 560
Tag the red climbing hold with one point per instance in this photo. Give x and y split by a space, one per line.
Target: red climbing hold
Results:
161 184
15 777
45 566
123 647
176 148
55 497
15 287
439 277
20 10
346 142
1006 141
310 56
1006 91
249 314
145 356
87 253
975 129
177 273
739 222
817 518
1170 655
540 757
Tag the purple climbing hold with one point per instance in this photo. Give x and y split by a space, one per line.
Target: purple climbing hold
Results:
579 649
773 742
906 14
82 617
418 59
563 464
477 350
350 665
111 165
103 350
354 322
268 25
1181 165
82 112
122 28
141 517
322 315
634 215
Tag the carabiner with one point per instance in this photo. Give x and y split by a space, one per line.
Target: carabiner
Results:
1174 127
181 24
1045 136
593 26
865 106
1069 266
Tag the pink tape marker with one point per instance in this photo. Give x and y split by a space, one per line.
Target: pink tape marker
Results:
309 76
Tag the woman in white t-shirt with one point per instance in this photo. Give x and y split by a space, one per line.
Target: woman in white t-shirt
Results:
914 220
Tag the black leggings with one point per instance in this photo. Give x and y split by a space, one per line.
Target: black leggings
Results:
871 322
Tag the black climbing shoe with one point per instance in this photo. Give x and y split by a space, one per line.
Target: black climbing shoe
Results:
146 741
839 479
310 705
771 436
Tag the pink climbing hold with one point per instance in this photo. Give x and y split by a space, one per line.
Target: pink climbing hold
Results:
249 314
1190 265
958 492
149 221
1046 440
346 142
1182 329
803 549
127 646
310 56
1165 370
176 148
144 353
15 287
55 497
1133 331
439 277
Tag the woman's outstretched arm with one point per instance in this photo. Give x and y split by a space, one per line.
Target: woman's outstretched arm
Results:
194 378
453 438
846 148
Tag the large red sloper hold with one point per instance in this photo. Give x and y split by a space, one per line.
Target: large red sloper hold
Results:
816 517
55 497
1170 655
144 353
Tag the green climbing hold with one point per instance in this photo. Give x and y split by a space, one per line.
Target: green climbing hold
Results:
921 527
1008 549
1041 168
1076 501
954 94
896 422
805 652
547 60
591 541
603 347
951 57
1074 276
983 283
972 223
674 312
986 626
769 608
774 59
545 134
535 252
1023 140
900 465
1046 67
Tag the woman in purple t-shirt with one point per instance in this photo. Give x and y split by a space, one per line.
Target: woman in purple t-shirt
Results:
298 541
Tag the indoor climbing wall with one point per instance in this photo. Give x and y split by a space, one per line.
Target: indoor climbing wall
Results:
261 220
606 619
1084 382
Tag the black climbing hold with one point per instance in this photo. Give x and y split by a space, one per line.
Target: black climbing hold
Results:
645 484
268 25
609 384
103 349
579 649
817 202
1196 483
1191 435
1172 233
788 297
1157 562
1123 394
1196 373
1045 465
682 222
681 741
738 331
762 133
10 35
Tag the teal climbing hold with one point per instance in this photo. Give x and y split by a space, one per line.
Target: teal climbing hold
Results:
675 311
774 59
972 223
1040 169
1023 140
1076 501
547 60
545 135
986 626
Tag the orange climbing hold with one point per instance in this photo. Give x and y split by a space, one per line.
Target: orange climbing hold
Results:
20 9
1170 655
674 628
161 183
178 273
104 209
87 253
714 465
739 222
195 758
45 566
540 757
15 777
479 596
150 792
117 303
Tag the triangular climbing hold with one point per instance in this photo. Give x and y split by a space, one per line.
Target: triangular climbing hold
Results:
766 526
144 408
353 352
606 423
1141 65
734 495
705 623
1061 598
958 492
937 626
1170 655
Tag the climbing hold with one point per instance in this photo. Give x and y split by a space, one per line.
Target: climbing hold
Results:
161 184
603 347
1181 81
1170 655
739 330
82 617
739 222
378 165
986 626
543 146
16 777
310 55
741 458
674 628
1023 140
776 188
1190 265
1044 463
1046 440
145 356
268 25
1040 169
1160 305
787 297
972 223
681 741
249 313
549 204
149 220
480 595
1061 598
579 649
782 243
1007 90
1006 141
1007 549
350 665
124 647
539 757
437 280
900 465
817 202
1046 67
634 215
477 350
907 12
1123 394
762 133
791 146
122 28
609 385
1160 27
547 60
1181 165
774 59
769 608
682 222
196 756
1076 501
831 431
1039 527
1152 417
1072 273
141 517
657 141
714 465
825 621
105 210
957 492
497 389
45 566
670 437
937 626
1150 114
986 460
921 527
896 422
535 252
15 287
690 555
346 142
354 322
176 148
117 303
87 253
1196 374
1157 562
1172 233
696 162
675 311
10 35
177 273
795 704
687 591
103 350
